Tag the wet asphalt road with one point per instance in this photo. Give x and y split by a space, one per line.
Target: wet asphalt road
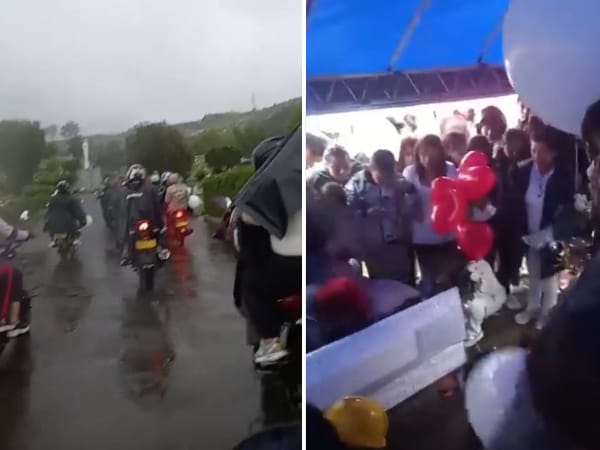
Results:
105 368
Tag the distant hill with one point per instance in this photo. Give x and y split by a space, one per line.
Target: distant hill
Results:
273 115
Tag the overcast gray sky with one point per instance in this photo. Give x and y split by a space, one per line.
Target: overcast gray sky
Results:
110 64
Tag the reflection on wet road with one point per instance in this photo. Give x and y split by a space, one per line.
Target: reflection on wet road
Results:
106 368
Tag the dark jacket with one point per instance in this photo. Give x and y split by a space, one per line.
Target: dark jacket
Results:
559 193
319 178
139 202
64 214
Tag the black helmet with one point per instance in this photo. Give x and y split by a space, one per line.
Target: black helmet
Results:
63 187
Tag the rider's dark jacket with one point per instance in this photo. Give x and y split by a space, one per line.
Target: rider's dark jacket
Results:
64 214
139 202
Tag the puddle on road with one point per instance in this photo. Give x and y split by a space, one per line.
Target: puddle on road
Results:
146 353
67 290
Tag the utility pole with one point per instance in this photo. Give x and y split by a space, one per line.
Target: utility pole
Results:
253 100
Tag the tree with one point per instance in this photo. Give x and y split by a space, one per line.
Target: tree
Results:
211 138
22 144
75 147
159 147
51 132
221 159
70 129
110 158
248 137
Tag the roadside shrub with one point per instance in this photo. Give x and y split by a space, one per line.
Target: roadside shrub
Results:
226 184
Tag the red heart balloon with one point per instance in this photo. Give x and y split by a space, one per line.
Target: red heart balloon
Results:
473 158
440 218
460 207
440 188
476 181
475 239
449 208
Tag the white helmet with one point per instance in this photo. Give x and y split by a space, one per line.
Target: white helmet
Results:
136 171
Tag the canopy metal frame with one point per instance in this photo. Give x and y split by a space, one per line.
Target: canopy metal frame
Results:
397 89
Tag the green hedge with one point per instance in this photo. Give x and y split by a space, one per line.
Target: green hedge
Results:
226 184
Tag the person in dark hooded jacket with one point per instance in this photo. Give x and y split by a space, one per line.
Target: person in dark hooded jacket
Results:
263 276
140 202
64 213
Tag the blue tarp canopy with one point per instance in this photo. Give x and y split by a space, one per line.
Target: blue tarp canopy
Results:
383 53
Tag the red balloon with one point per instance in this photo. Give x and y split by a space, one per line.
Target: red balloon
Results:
440 218
449 209
440 187
475 239
460 207
476 181
473 158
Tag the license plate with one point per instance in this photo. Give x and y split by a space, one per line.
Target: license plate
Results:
146 244
181 224
60 236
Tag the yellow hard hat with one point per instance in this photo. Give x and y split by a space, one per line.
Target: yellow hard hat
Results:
360 422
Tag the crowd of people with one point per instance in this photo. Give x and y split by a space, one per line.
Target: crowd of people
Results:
375 218
378 215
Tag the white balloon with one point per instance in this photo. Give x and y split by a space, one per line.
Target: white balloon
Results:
490 391
194 201
550 54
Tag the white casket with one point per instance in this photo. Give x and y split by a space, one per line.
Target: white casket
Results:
392 359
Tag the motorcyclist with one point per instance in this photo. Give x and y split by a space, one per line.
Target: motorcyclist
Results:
105 202
177 194
164 184
155 178
64 213
140 202
11 286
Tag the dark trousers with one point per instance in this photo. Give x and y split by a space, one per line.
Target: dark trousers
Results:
262 284
440 266
509 252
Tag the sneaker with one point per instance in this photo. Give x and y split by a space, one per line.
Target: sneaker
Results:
519 289
270 351
52 244
76 242
473 339
21 328
513 303
125 262
524 317
6 326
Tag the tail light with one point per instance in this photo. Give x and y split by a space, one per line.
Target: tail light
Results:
179 214
143 226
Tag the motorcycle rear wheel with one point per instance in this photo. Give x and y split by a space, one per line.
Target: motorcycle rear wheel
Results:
146 279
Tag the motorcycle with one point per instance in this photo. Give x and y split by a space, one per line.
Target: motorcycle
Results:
7 253
178 226
107 212
66 245
146 254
